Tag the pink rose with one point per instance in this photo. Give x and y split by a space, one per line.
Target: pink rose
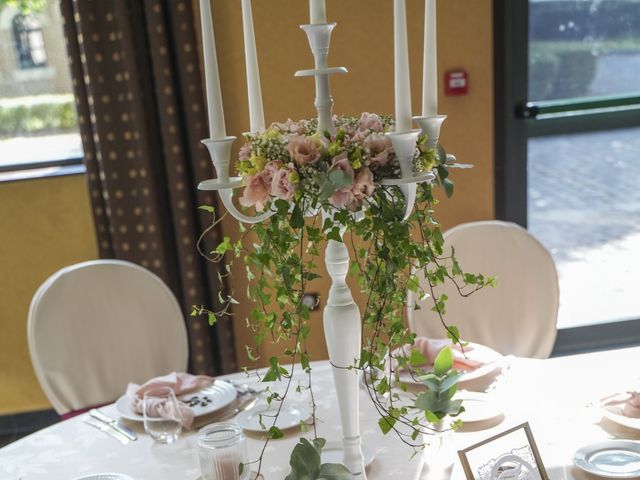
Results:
256 192
245 152
269 171
303 150
281 186
343 196
379 149
363 185
289 126
370 121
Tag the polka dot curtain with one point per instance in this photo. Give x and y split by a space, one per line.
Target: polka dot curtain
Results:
141 111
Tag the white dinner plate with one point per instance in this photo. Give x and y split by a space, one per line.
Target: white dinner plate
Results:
610 459
332 453
495 363
478 407
105 476
614 413
220 394
291 416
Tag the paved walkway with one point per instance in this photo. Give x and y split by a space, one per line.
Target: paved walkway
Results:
584 205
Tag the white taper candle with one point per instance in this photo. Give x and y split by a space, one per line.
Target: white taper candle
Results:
430 63
256 110
217 128
401 67
318 11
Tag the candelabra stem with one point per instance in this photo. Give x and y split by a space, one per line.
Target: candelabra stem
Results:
343 329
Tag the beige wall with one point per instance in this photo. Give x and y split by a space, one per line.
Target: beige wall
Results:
45 224
363 43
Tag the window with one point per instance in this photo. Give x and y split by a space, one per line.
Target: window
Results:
29 41
38 124
568 163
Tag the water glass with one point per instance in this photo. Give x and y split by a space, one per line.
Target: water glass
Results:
162 416
222 447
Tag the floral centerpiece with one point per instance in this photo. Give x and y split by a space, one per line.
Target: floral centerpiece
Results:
367 182
292 171
290 160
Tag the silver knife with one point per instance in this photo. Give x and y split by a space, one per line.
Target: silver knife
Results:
127 432
106 428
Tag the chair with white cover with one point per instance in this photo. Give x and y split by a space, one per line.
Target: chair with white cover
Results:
518 316
95 326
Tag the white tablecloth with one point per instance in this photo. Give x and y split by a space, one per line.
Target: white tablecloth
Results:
554 396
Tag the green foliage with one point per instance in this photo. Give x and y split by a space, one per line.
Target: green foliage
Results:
305 463
280 258
34 115
25 6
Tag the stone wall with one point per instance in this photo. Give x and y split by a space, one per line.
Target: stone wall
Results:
52 78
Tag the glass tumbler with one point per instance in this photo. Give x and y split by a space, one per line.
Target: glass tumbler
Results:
162 416
222 447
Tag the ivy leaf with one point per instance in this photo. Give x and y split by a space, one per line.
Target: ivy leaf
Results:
275 433
334 471
448 187
334 234
444 362
453 333
304 461
386 424
416 358
297 219
207 208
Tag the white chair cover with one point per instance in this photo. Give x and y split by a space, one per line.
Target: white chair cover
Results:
95 326
519 315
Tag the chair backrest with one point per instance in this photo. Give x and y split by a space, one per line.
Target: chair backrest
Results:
519 315
95 326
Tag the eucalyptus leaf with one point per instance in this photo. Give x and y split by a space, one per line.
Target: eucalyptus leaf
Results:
340 179
304 461
334 471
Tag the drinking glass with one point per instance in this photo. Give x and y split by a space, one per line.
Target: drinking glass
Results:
222 447
162 416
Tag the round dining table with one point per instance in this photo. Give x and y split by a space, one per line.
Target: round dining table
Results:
558 397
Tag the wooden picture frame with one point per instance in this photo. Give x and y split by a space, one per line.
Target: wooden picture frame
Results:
511 454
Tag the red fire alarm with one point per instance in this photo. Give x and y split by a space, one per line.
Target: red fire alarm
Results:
456 82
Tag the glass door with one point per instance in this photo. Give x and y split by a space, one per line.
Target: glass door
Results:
568 163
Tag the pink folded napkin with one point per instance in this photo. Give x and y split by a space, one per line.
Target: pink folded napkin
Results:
181 383
471 359
629 403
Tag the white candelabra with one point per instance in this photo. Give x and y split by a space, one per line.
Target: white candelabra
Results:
342 319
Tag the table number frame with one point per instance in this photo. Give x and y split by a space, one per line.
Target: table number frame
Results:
466 464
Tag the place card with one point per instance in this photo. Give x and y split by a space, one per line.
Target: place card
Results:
510 455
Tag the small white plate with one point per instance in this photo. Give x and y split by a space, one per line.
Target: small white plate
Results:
105 476
290 416
614 413
496 363
332 453
478 407
220 394
610 459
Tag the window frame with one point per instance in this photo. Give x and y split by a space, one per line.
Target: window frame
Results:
517 120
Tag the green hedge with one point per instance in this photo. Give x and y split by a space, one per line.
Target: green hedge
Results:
560 70
37 115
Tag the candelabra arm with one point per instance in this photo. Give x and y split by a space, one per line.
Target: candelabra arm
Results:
404 145
220 151
431 127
